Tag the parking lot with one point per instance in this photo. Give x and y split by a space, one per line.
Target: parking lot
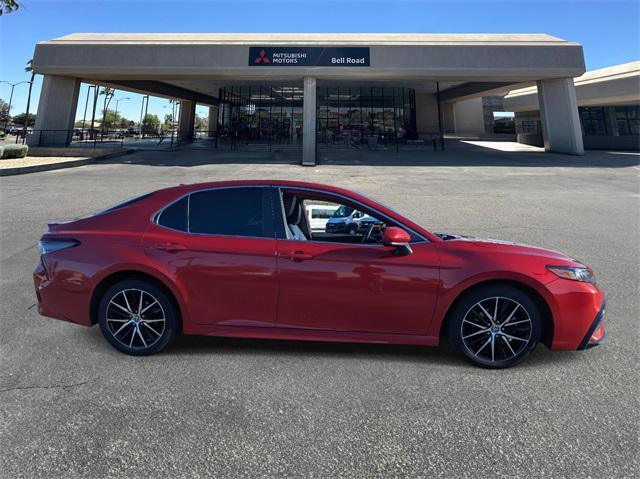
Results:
71 406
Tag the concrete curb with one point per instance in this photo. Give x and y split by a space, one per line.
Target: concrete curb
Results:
21 170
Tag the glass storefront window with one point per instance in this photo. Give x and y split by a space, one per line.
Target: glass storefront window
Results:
628 120
353 115
349 116
592 120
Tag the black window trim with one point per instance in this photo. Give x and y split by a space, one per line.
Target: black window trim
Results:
280 188
155 217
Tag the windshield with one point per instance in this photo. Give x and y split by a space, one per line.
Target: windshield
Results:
342 212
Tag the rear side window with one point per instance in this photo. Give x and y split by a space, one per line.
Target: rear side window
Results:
232 211
175 215
124 204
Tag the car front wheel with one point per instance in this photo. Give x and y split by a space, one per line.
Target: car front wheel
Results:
495 326
137 317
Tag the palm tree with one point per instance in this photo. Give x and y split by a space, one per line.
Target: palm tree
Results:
108 95
8 6
29 69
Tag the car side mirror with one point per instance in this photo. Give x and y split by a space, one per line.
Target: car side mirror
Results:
394 236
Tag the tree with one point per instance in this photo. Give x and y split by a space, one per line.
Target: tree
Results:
19 119
168 122
8 6
202 123
29 69
108 95
111 119
150 124
4 111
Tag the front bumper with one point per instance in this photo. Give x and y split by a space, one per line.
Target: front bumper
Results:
596 333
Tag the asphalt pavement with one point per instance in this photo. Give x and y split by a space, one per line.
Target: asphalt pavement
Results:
72 406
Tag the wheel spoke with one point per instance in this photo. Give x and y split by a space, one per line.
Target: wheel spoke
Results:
511 315
118 320
148 306
485 312
474 324
495 311
483 346
122 327
493 347
124 293
140 303
516 322
120 306
157 333
509 336
483 331
141 337
509 345
133 335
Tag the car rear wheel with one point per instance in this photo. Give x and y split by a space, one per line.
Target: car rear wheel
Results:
137 317
495 326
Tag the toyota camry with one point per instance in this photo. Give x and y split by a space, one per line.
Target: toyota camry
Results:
240 259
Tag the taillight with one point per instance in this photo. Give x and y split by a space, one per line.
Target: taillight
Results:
49 245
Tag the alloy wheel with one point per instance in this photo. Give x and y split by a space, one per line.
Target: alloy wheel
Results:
135 318
496 329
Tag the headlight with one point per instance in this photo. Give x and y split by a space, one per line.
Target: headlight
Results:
49 245
583 274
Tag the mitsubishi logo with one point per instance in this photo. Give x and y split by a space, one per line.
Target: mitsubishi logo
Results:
262 58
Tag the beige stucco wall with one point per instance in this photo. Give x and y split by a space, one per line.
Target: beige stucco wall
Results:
469 117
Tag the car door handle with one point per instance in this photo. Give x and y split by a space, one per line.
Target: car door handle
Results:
170 247
297 255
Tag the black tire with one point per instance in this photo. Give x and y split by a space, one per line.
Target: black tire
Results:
352 230
495 326
133 333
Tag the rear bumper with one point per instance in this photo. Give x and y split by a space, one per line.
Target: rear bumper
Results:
596 333
67 300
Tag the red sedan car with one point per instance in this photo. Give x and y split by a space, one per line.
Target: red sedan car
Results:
239 259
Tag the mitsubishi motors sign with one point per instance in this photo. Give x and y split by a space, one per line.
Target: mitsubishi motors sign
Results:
309 56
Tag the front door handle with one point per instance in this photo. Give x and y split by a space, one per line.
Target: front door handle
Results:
170 247
297 255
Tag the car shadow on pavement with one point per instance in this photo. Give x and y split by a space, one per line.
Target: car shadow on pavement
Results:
203 345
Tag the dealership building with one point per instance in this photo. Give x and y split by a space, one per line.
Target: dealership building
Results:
317 89
608 106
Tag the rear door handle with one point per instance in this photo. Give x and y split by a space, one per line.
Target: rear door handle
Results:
170 247
297 255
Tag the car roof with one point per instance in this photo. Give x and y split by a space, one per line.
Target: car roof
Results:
186 188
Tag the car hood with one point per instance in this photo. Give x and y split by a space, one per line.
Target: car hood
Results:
509 247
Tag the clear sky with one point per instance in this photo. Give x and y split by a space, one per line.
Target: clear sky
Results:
608 30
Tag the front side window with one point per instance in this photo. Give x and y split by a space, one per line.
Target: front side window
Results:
346 224
232 212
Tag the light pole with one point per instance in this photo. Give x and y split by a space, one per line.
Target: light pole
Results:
145 100
86 104
118 100
13 85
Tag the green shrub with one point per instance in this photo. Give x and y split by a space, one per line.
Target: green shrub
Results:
14 151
